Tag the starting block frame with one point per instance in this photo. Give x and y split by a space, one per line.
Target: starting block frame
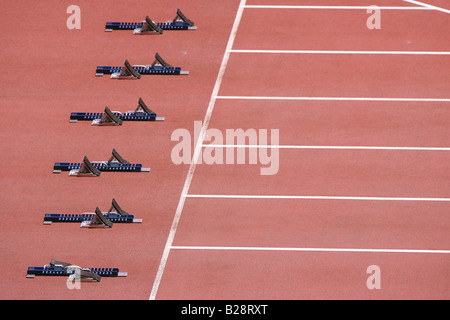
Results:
116 118
128 71
93 169
147 26
97 219
73 272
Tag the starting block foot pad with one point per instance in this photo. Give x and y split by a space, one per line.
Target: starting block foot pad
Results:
86 169
180 22
126 72
108 119
148 27
98 220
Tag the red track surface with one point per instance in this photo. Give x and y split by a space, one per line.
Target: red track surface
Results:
49 72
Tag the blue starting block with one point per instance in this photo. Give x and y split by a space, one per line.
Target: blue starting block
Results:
58 268
141 69
128 71
49 218
128 116
147 26
115 215
100 165
142 113
86 168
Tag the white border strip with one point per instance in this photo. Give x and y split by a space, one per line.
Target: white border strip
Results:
310 249
250 146
337 7
438 53
334 98
197 151
231 196
427 6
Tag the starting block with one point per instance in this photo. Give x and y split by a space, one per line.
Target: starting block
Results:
114 118
73 272
147 26
128 71
93 169
97 219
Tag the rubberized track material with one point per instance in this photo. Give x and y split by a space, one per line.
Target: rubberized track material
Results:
309 232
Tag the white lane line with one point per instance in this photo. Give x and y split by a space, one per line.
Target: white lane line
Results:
334 98
427 6
337 7
310 249
353 198
198 149
438 53
327 147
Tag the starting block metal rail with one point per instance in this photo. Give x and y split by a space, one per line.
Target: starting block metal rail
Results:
115 215
115 71
86 168
128 71
59 268
142 113
49 218
147 26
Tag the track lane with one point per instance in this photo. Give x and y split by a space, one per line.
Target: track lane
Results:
401 30
340 123
313 224
322 75
229 274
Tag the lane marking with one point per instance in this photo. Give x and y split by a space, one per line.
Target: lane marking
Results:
334 98
197 151
353 198
427 6
337 7
310 249
327 147
442 53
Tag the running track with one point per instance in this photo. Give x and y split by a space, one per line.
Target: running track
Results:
364 128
